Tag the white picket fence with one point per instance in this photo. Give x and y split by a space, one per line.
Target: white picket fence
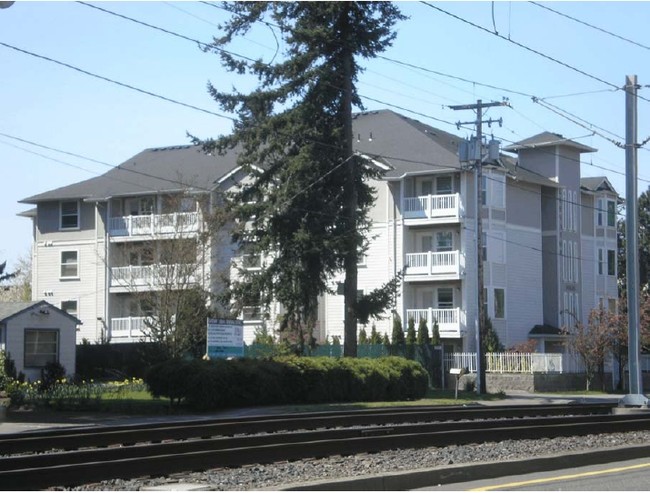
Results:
528 363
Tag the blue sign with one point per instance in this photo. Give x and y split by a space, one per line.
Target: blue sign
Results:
225 338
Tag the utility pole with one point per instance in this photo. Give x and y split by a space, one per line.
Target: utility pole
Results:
635 397
478 182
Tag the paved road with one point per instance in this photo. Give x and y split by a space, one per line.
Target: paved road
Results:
620 476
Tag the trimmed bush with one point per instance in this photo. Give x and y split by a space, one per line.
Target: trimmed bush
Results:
205 385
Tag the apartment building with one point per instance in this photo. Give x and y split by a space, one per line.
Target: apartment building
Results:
548 237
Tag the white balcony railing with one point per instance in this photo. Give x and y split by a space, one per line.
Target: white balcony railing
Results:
128 329
152 276
154 224
450 320
440 207
433 263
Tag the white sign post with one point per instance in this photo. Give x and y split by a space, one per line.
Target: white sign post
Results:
225 338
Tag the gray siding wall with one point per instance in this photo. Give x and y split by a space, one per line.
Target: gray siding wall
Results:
540 161
550 280
16 339
524 294
524 204
49 219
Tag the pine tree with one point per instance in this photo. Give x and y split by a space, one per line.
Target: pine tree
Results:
375 338
398 332
491 343
8 275
385 340
308 198
363 336
410 332
423 332
435 336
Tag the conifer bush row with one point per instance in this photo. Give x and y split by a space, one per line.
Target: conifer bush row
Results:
206 385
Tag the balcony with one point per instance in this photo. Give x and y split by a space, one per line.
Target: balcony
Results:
430 209
451 321
151 277
428 265
128 329
148 225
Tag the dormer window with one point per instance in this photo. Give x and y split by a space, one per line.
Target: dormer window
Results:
606 213
70 215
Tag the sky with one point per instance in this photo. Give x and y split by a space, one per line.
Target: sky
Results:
579 69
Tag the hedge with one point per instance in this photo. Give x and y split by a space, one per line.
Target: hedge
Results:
207 385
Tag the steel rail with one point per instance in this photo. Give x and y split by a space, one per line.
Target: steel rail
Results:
73 438
162 459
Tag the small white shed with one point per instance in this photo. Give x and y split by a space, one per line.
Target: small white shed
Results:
35 333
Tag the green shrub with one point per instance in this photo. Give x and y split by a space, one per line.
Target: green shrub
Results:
205 385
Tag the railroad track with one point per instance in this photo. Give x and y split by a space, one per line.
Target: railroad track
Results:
74 456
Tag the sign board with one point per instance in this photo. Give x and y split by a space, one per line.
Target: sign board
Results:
225 338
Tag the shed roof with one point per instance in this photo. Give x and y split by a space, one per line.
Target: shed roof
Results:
11 309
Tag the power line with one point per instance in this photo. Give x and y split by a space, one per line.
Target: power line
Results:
591 26
166 31
112 81
539 53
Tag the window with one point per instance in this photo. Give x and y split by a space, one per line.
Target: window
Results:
252 261
70 215
601 261
611 305
576 277
611 213
499 303
443 185
427 187
444 241
576 209
611 262
606 210
70 307
70 263
445 297
41 347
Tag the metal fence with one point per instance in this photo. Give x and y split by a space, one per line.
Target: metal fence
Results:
529 363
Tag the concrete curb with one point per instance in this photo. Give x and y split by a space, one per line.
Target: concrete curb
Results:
423 478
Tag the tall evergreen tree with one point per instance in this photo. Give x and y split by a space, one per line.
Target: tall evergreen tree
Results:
398 332
410 332
423 332
308 199
5 276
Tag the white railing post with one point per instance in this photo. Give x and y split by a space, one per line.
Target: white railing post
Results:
430 262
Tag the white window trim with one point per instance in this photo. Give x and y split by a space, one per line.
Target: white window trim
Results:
58 343
61 264
76 300
494 291
78 226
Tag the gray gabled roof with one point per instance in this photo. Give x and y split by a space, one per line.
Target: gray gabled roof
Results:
11 309
596 184
547 139
406 145
402 145
155 170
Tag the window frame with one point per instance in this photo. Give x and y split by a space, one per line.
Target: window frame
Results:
29 363
611 262
499 303
611 213
74 313
61 264
77 215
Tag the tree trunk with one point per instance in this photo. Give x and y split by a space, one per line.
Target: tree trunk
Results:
351 195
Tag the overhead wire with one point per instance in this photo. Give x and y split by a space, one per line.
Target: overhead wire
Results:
605 31
521 45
